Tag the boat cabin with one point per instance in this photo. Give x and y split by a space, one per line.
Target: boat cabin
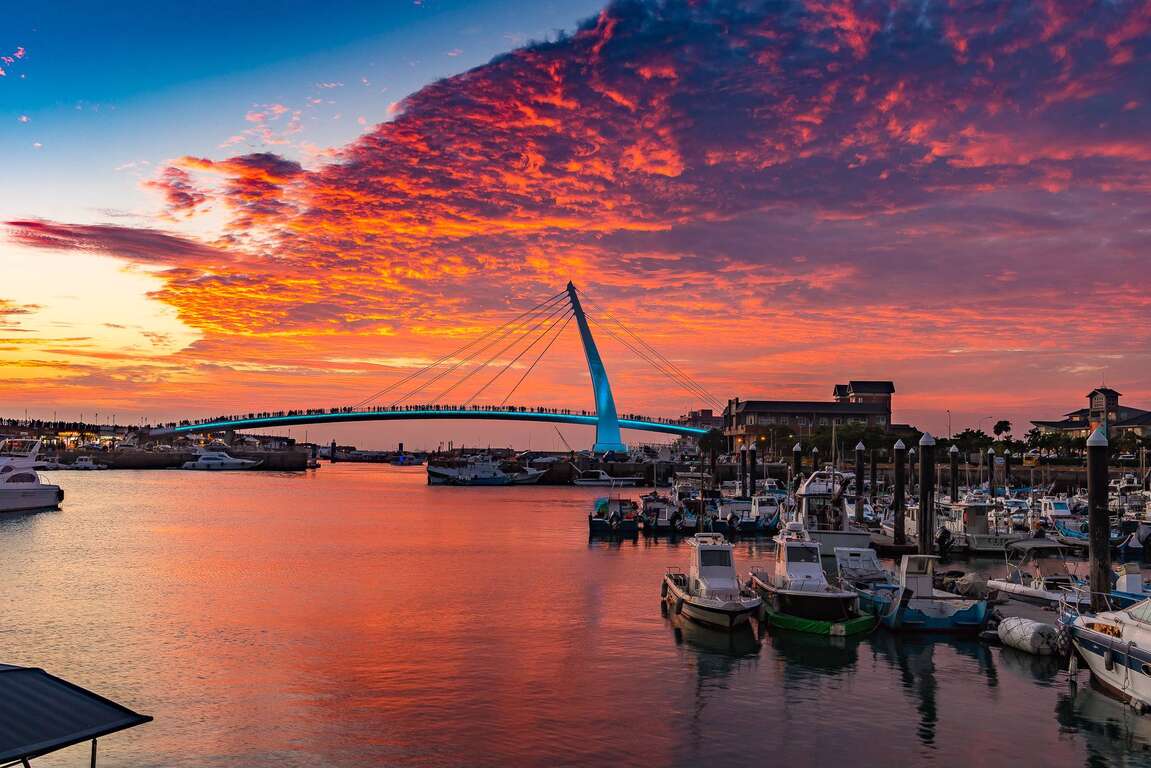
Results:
712 572
917 574
797 563
1055 510
860 565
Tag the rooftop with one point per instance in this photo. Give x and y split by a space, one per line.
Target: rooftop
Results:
871 387
809 406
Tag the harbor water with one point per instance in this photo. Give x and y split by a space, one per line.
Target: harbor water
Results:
355 616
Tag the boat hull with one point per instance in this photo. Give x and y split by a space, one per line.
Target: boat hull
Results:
1126 677
853 626
1036 596
729 616
923 614
23 500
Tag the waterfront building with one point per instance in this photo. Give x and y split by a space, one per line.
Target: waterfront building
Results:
1102 407
861 403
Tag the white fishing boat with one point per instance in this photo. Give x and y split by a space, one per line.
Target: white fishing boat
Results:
821 512
217 461
710 592
797 593
1039 572
968 521
597 478
482 470
85 463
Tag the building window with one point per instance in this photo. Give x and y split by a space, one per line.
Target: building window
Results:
768 419
823 421
751 420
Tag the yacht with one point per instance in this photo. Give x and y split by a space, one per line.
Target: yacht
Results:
1117 648
218 461
599 478
482 470
797 593
21 488
822 515
710 592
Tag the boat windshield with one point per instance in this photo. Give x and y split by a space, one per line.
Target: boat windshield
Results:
1141 611
709 558
800 553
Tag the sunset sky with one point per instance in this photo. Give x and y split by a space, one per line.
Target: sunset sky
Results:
269 205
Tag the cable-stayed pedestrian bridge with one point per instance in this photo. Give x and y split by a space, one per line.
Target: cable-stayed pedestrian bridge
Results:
489 358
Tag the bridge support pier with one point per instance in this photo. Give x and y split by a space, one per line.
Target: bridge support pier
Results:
607 437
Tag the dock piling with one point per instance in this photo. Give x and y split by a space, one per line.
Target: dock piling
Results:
859 495
953 455
797 464
752 472
899 501
926 517
1098 519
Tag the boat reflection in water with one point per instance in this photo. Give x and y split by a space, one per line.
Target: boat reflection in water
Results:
1113 733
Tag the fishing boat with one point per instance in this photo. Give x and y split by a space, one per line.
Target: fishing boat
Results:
85 463
659 514
1039 572
1116 645
218 461
967 520
710 592
797 594
482 470
909 602
821 513
601 479
614 517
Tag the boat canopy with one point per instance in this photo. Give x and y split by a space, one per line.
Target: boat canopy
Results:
41 713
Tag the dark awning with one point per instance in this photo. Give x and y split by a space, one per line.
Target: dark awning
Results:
40 713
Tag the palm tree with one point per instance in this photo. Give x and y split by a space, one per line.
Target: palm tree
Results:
1002 427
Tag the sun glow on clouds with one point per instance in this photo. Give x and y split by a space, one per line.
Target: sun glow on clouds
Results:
783 194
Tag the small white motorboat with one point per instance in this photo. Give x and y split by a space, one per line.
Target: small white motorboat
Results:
1039 572
597 478
85 463
218 461
710 592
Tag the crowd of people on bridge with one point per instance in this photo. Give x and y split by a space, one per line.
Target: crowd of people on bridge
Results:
410 408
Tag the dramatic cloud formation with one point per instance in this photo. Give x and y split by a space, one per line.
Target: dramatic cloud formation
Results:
952 194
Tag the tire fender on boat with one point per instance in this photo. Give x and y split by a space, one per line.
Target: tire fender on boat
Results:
663 589
678 606
1109 660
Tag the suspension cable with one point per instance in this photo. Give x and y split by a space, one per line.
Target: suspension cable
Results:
686 380
556 309
540 337
510 328
538 358
459 351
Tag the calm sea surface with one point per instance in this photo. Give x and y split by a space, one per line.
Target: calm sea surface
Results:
354 616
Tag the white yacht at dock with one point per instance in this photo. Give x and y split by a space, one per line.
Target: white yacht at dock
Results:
710 592
21 488
218 461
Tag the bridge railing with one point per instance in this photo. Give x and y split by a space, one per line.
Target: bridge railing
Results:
425 407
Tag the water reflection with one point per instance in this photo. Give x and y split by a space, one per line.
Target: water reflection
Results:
1114 734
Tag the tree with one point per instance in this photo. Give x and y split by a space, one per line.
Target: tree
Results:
1034 438
713 443
1002 427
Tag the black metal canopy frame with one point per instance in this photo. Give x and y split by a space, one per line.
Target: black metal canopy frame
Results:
41 713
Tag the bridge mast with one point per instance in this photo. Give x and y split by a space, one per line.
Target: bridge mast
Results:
607 437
